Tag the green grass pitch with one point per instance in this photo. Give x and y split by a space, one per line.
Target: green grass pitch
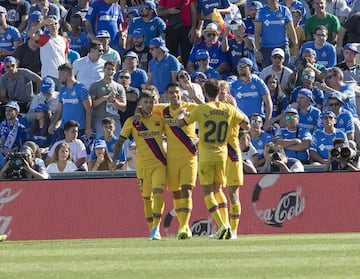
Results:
250 256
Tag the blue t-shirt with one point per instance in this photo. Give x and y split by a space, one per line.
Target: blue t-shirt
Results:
212 73
138 77
80 42
250 26
71 99
260 143
318 95
248 96
206 7
43 141
279 106
10 36
161 71
325 56
153 28
105 16
323 142
310 119
237 50
344 122
273 32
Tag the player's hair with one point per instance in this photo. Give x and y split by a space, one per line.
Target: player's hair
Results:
69 124
146 94
211 87
224 84
172 84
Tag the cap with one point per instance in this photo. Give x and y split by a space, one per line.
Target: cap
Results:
307 93
211 27
196 75
278 51
131 10
99 143
103 34
132 143
245 61
14 105
138 32
9 59
159 42
41 107
131 54
290 109
34 16
238 21
47 85
336 96
201 54
3 10
258 4
352 47
54 17
310 50
151 5
328 112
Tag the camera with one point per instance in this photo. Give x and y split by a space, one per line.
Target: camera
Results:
345 153
275 155
16 164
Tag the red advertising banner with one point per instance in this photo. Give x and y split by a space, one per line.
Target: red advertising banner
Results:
112 207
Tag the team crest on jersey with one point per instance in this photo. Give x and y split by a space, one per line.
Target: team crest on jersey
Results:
279 15
152 28
73 93
157 123
78 41
8 37
252 86
323 54
260 143
310 119
341 122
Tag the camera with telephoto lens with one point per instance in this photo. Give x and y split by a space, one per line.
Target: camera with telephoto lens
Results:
275 155
16 164
345 153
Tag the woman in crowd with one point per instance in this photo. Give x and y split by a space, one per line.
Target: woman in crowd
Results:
62 160
192 92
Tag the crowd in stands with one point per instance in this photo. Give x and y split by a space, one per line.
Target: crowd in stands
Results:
71 73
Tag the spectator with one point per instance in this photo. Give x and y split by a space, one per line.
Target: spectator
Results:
251 93
294 139
325 52
105 15
79 40
251 15
308 114
349 30
108 98
224 94
53 47
62 160
77 147
274 19
74 103
242 45
18 13
322 141
296 5
46 8
307 81
338 8
30 169
81 6
130 163
321 17
300 34
249 153
132 96
102 159
191 92
109 54
277 161
9 36
205 12
202 64
17 84
219 59
277 68
259 138
152 25
181 31
140 49
163 67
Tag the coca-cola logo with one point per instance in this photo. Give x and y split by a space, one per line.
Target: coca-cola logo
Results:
6 196
290 204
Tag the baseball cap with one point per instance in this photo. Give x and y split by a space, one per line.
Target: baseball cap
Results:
290 109
41 107
201 54
336 96
54 17
14 105
310 50
131 10
9 59
328 112
159 42
138 32
352 47
257 4
99 143
306 92
3 10
131 54
278 51
103 34
211 27
198 75
245 61
151 5
34 16
47 85
132 143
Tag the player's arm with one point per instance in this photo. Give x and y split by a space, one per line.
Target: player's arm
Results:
181 118
245 124
117 147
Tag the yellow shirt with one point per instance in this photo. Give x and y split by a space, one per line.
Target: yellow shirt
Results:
148 137
214 129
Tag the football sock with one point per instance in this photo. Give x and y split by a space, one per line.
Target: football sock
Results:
177 207
213 208
148 205
187 208
235 210
222 202
158 208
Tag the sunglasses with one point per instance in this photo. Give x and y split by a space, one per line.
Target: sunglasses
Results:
330 77
211 35
308 77
255 121
334 104
290 117
124 77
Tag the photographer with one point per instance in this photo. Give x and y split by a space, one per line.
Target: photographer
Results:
276 161
22 164
342 157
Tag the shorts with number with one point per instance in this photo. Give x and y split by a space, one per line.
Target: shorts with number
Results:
234 173
212 172
150 178
181 171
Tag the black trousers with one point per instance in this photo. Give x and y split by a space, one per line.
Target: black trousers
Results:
178 43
